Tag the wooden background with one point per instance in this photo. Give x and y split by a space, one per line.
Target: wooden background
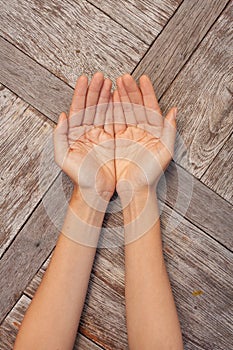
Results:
186 48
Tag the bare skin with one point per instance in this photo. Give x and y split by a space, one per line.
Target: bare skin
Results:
152 321
87 130
126 148
52 318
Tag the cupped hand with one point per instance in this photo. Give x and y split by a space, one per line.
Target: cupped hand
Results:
84 140
144 140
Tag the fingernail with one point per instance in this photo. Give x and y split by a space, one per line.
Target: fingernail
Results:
175 113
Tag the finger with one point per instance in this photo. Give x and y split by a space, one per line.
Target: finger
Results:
118 113
126 105
102 105
132 89
149 99
108 124
78 102
60 137
135 98
93 94
169 131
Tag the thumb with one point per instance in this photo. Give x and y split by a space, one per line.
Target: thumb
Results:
60 138
169 131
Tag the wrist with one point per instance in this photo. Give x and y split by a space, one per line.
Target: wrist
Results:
84 218
128 192
140 213
89 199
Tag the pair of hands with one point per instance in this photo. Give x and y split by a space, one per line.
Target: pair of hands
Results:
117 140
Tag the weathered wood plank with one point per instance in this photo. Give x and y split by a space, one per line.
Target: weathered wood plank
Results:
205 115
194 201
35 90
38 237
201 277
23 135
203 94
51 95
33 83
145 19
70 37
35 242
195 261
10 327
173 48
219 176
103 316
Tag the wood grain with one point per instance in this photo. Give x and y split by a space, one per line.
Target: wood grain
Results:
11 324
23 135
103 316
202 92
70 37
37 239
201 277
219 175
33 83
145 19
51 95
195 262
181 36
193 200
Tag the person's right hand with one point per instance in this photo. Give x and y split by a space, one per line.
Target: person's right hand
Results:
144 140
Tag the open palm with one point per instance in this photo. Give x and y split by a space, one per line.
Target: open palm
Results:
144 140
84 142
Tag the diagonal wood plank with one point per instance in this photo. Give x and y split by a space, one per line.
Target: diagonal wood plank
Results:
103 316
181 36
193 200
70 37
201 277
145 19
11 324
38 237
219 175
33 83
202 93
50 95
23 135
189 343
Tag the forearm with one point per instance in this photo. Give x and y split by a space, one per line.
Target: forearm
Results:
52 319
152 320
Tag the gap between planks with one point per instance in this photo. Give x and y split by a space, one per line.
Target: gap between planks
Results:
55 101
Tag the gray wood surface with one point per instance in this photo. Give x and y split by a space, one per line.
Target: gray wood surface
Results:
103 316
145 18
30 248
219 175
201 275
193 200
33 83
11 324
70 37
64 39
51 95
23 136
203 94
173 48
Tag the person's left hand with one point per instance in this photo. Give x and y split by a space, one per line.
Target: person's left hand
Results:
84 141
